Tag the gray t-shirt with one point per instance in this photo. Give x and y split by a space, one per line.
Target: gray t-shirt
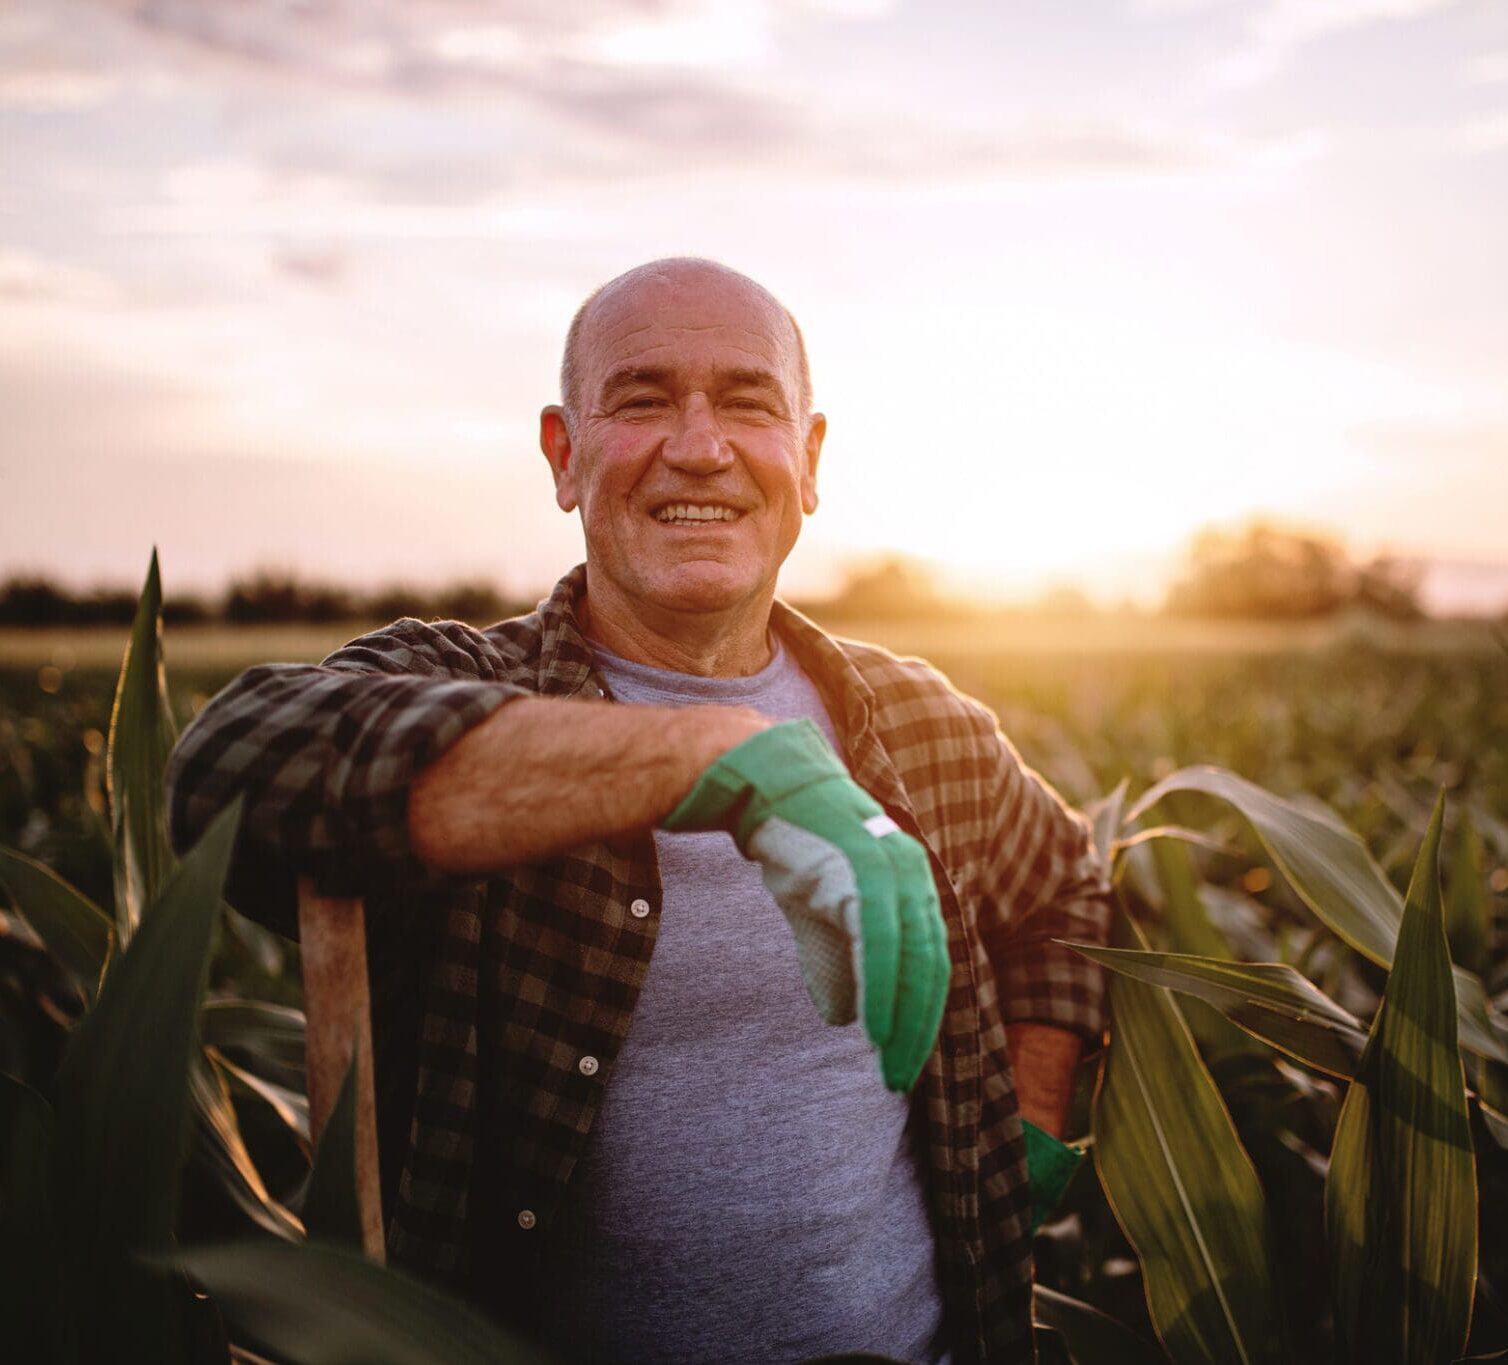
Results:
749 1190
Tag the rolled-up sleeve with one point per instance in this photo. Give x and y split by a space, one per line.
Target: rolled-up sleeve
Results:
324 756
1042 880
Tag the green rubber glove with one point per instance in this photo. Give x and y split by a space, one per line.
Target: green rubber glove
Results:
857 891
1051 1165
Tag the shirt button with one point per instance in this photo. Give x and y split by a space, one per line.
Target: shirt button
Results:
587 1066
639 908
526 1219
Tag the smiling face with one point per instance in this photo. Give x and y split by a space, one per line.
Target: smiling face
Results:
690 454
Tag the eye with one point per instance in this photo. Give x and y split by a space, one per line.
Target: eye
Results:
641 403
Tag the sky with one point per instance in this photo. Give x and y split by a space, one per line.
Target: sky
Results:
284 284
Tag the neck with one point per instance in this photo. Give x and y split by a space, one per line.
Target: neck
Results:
727 644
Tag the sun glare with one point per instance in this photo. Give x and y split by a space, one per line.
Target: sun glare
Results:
1030 448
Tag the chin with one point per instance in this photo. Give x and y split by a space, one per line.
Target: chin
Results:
703 586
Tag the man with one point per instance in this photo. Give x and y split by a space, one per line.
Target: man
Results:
608 1109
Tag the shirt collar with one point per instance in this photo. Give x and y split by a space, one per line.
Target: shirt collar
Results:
565 658
850 702
566 667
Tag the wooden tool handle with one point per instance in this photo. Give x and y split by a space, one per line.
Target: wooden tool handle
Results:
338 1023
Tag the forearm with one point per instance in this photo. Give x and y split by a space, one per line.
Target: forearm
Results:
545 774
1044 1059
323 759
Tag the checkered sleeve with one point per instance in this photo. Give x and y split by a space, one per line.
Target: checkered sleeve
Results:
324 756
1042 881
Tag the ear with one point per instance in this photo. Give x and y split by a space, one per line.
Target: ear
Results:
815 432
555 441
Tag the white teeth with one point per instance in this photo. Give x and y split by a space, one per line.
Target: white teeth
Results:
686 511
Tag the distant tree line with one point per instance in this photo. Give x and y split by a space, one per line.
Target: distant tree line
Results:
1262 572
264 598
1259 572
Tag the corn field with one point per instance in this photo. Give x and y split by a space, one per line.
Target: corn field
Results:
1297 1136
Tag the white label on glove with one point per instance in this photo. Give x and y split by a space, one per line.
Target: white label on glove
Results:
881 825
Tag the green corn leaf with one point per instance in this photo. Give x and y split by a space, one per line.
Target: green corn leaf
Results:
1492 1098
217 1138
331 1210
1335 876
76 931
142 733
1091 1336
273 1034
291 1106
1105 817
1400 1199
1190 930
1183 913
123 1103
325 1305
1481 1031
1180 833
1270 1000
1181 1185
1468 906
35 1321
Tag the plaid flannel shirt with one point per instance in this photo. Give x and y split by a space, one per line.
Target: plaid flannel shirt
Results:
487 994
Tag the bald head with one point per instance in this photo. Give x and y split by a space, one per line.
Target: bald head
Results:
664 274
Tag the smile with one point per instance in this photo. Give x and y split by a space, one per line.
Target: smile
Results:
695 514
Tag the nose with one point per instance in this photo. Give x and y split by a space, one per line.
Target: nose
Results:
696 445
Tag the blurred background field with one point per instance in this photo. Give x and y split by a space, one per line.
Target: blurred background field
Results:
207 648
1371 715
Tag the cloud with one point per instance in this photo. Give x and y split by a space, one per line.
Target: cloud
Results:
49 85
632 89
412 40
1159 9
406 43
30 279
1288 23
553 98
643 137
318 265
1274 30
48 64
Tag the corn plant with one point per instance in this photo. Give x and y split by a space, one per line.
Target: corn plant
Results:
1400 1192
91 1164
94 1263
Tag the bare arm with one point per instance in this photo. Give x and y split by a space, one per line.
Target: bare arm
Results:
1043 1059
327 759
544 774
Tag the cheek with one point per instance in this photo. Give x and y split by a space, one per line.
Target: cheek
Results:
779 475
625 460
609 478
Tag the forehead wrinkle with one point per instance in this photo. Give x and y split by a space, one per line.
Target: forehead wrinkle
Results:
666 376
759 338
736 356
